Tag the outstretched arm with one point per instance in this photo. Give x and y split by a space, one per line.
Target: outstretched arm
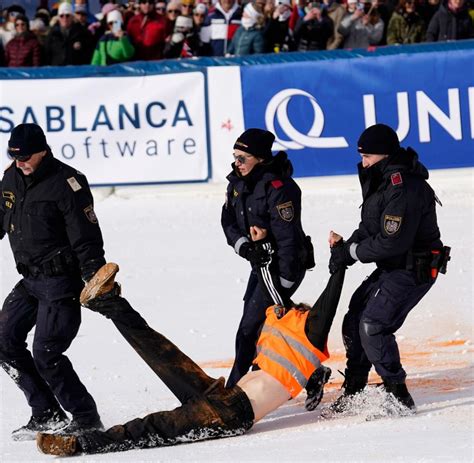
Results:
321 316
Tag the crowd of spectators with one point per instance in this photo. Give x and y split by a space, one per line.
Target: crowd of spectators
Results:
155 29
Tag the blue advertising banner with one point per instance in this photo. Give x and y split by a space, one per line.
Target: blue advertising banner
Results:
318 109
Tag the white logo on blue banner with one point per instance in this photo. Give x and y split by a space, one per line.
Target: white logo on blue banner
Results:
278 107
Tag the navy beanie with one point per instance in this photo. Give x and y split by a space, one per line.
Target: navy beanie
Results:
26 139
378 139
256 142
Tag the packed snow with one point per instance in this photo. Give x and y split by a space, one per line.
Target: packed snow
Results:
178 271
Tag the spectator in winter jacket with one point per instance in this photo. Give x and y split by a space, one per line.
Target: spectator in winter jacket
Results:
24 49
223 24
173 10
7 30
451 22
314 30
278 35
185 42
427 9
336 12
249 39
362 26
68 42
406 25
114 46
147 31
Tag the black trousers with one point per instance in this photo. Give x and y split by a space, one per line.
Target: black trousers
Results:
256 302
208 410
378 308
46 377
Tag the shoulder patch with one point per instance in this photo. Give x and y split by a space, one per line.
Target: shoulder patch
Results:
90 214
277 184
396 178
235 193
391 224
74 184
286 211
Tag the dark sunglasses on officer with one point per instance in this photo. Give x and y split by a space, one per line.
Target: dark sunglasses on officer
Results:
241 158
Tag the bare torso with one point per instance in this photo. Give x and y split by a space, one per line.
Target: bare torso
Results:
264 391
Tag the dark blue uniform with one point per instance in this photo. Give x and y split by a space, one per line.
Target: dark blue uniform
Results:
398 224
268 198
54 236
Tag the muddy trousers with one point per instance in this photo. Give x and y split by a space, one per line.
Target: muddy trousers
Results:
208 410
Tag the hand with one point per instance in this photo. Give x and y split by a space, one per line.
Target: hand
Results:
177 37
334 238
257 233
340 257
258 253
89 269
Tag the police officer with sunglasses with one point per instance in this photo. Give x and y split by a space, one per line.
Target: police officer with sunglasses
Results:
48 214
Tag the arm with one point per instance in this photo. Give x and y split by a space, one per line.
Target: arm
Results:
122 49
259 44
234 235
392 31
375 32
82 227
432 33
398 226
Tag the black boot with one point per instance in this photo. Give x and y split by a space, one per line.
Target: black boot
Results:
315 387
77 426
353 384
50 420
400 392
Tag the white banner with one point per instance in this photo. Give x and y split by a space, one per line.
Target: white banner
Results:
116 130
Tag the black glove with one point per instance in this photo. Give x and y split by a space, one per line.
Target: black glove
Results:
89 269
340 257
258 253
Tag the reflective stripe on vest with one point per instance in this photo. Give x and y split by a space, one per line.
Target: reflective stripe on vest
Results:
284 351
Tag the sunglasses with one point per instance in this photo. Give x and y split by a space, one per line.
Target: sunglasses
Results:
18 24
150 2
174 11
21 158
241 158
199 15
64 15
160 8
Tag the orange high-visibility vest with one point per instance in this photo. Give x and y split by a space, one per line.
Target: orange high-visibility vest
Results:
284 351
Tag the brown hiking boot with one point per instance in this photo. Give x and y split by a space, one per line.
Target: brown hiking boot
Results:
101 283
55 444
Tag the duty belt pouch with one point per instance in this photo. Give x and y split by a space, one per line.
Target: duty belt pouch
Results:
309 263
422 267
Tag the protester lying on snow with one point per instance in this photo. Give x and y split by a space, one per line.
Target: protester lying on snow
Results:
291 346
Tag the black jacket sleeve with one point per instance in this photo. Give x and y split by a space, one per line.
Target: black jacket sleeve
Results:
233 234
81 224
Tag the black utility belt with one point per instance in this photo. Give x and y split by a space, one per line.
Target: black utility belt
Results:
61 264
427 265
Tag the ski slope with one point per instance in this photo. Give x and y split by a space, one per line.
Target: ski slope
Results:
178 271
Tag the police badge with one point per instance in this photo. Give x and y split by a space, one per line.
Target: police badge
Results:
391 224
90 214
286 211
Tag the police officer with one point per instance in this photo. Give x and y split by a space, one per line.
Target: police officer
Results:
261 193
399 232
47 211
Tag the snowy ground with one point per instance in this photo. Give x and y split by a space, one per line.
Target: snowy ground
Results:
178 271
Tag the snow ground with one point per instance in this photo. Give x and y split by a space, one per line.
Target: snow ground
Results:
178 271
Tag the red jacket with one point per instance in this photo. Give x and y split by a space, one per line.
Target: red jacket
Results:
148 34
23 51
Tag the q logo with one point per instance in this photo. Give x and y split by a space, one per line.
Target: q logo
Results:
278 106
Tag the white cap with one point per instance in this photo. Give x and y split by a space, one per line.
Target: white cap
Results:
351 1
186 22
252 12
65 8
284 2
113 16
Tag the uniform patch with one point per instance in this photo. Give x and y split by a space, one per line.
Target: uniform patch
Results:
90 214
396 178
277 184
74 184
391 224
236 193
286 211
9 195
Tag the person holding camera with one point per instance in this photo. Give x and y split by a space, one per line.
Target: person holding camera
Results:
313 31
362 26
114 46
399 233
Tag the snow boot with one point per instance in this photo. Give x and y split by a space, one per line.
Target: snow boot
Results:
100 284
315 387
400 392
56 444
353 384
77 427
51 420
